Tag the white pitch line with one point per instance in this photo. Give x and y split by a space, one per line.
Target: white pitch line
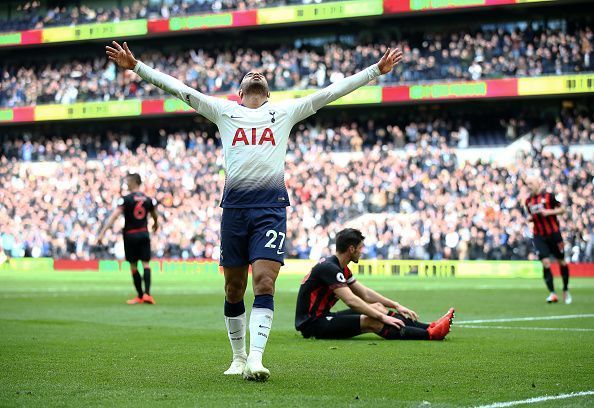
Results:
526 319
537 399
573 329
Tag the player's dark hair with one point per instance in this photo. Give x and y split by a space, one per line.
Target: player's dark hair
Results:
135 177
348 237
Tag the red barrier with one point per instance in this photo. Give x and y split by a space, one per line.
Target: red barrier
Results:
76 265
580 270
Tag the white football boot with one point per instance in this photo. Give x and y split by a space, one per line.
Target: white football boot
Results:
255 371
237 366
567 297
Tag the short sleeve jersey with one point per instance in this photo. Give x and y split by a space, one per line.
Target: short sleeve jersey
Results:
136 207
543 225
316 295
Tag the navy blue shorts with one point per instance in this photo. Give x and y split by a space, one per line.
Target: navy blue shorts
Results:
249 234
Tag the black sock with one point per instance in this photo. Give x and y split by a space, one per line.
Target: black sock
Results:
406 333
137 283
407 321
147 281
548 278
565 276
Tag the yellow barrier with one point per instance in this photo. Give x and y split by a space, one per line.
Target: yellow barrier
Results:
422 269
429 269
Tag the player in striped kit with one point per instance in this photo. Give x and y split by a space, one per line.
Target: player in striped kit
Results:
254 135
543 209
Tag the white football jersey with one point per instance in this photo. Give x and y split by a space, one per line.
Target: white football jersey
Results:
255 140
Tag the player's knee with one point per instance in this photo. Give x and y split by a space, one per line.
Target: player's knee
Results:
369 325
562 262
546 263
264 280
264 284
234 291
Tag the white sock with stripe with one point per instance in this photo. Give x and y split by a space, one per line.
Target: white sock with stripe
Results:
260 325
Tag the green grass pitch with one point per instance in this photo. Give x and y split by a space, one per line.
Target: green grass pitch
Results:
68 339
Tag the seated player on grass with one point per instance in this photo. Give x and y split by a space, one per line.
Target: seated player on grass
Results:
368 312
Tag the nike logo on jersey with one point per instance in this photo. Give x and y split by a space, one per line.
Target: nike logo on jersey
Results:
263 327
236 117
236 331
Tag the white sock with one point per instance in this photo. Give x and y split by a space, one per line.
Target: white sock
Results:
236 331
260 324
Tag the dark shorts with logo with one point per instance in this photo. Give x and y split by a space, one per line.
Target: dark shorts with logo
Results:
137 247
340 325
249 234
547 245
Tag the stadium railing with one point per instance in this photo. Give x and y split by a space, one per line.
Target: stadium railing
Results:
368 95
423 269
338 10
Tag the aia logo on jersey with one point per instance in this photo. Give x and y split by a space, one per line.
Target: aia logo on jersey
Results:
241 137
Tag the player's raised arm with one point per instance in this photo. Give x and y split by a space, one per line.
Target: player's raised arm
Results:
310 104
207 106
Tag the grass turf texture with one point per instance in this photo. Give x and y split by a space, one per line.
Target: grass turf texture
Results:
67 338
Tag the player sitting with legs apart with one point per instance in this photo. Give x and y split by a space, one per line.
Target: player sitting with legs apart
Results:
137 243
254 135
369 312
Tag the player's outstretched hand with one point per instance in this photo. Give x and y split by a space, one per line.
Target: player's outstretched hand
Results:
391 58
121 56
392 321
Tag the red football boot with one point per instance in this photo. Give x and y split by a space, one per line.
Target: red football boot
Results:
448 316
148 299
440 330
135 301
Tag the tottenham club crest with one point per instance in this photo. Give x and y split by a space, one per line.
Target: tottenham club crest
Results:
272 113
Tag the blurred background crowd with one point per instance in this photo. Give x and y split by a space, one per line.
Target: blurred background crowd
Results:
495 51
423 201
36 15
403 174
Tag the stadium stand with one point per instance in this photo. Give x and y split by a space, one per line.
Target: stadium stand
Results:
406 174
409 178
37 14
494 51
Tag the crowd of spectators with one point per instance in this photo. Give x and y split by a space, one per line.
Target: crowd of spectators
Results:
423 203
490 53
36 14
570 128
